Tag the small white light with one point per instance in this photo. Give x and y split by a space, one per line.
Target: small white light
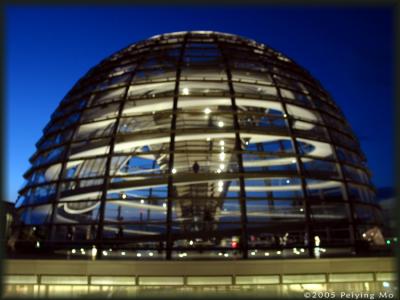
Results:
221 143
207 111
246 142
37 244
285 115
123 196
301 209
73 251
219 171
34 228
220 189
266 253
220 124
386 284
252 253
317 240
222 156
82 249
138 254
110 249
293 161
220 183
220 254
123 253
83 252
279 252
184 254
191 243
185 91
151 254
105 253
222 166
173 171
208 139
364 235
226 254
287 181
141 201
164 205
302 250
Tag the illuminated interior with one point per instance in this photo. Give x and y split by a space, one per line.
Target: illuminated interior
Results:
198 145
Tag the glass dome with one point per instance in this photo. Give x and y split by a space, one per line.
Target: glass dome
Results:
198 145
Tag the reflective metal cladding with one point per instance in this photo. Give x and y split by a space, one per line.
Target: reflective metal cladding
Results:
198 145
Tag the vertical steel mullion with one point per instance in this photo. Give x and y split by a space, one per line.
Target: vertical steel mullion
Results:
346 188
238 149
169 241
62 171
99 237
300 171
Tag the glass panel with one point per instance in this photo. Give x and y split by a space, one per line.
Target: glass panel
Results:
35 215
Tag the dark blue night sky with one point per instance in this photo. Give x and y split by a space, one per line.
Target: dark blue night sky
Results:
349 49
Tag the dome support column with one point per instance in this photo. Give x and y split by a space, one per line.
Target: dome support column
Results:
107 175
171 194
238 150
309 236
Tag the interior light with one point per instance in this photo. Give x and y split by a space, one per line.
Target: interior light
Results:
285 115
222 156
279 252
301 250
221 143
219 171
191 243
252 253
37 244
141 201
220 254
207 111
173 171
293 161
123 253
388 242
185 91
94 252
220 183
220 124
164 205
73 251
266 253
123 196
226 254
364 235
301 209
386 284
287 181
138 254
151 254
220 189
105 253
208 139
222 166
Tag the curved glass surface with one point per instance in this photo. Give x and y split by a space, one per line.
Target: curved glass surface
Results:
198 145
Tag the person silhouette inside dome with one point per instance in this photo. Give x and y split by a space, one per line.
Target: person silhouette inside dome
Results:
196 167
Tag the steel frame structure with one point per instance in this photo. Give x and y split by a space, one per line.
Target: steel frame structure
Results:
279 165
